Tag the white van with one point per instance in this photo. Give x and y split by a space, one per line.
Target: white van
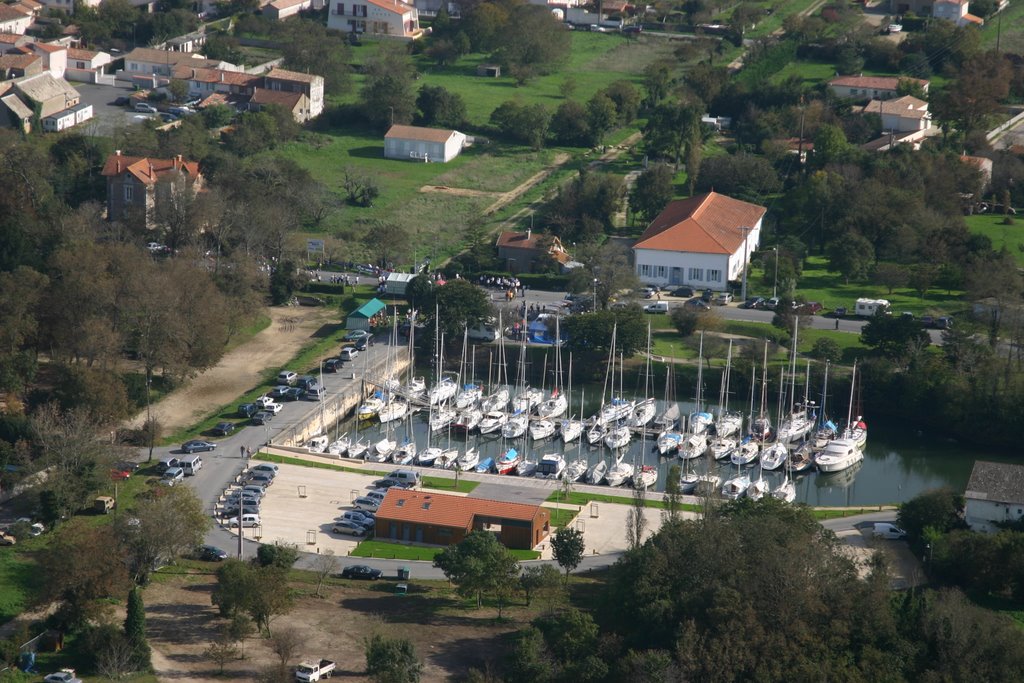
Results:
656 307
484 332
888 531
405 476
869 307
190 464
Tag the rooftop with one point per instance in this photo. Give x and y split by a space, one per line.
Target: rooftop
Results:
996 482
9 13
419 133
392 6
86 55
148 170
875 82
200 74
906 107
285 75
170 58
43 87
288 100
17 107
533 241
369 309
708 223
441 509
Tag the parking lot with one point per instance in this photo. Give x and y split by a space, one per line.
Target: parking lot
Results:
107 118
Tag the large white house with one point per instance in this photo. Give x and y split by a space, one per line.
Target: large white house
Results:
995 493
378 18
704 241
422 144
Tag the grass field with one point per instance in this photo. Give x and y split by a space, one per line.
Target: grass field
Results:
1008 26
1009 236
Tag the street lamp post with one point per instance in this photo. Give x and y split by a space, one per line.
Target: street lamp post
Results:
775 280
746 253
149 417
595 295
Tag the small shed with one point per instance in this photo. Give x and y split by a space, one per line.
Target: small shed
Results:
422 144
359 319
397 283
489 70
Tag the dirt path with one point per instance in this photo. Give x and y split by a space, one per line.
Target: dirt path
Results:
508 197
458 191
239 370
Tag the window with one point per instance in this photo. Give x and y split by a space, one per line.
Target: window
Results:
662 271
341 8
696 273
645 270
128 192
714 275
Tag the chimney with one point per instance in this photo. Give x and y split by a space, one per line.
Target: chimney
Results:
151 169
221 76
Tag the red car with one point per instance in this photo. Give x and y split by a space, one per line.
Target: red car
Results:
119 475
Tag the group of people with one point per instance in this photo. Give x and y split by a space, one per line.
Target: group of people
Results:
345 279
506 283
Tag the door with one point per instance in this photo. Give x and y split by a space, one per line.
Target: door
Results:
406 532
419 534
676 277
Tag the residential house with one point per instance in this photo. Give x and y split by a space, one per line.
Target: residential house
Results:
282 9
30 6
704 241
957 12
520 251
68 118
422 144
294 102
86 66
443 519
138 184
46 94
13 112
68 6
18 65
205 81
890 139
10 41
14 19
145 61
983 166
871 87
379 18
310 85
903 114
994 495
55 57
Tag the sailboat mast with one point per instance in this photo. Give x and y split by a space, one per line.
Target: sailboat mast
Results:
849 408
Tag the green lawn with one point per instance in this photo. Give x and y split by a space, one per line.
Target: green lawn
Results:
781 10
827 288
809 72
1009 236
1009 29
399 551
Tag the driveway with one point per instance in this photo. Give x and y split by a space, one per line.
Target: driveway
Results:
107 118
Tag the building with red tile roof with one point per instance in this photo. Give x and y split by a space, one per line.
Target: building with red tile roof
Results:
520 250
132 182
703 241
872 87
441 519
378 18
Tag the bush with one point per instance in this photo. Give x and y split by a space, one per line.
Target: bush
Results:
826 349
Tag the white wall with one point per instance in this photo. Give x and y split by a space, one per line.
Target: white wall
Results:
980 514
397 148
731 266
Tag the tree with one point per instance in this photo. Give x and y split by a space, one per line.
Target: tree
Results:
82 587
113 656
568 547
540 578
668 129
830 145
893 336
479 564
162 527
135 630
673 495
652 191
391 660
589 335
658 78
610 265
827 349
460 304
387 95
285 643
851 257
324 565
890 275
636 521
308 47
741 175
970 100
569 124
939 511
532 37
601 116
221 651
525 123
254 132
440 107
280 555
243 589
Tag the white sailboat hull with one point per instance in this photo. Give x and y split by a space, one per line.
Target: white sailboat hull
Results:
541 429
515 427
571 430
774 456
839 454
745 454
495 402
596 474
618 438
492 422
553 407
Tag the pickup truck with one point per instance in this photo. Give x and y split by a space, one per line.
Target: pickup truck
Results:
314 671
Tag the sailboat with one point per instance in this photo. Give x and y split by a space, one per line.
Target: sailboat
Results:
526 468
773 455
798 423
394 408
737 486
642 413
469 419
339 446
317 444
845 452
383 449
492 421
471 391
498 399
571 428
700 420
446 459
517 423
508 461
575 470
485 466
468 460
727 422
758 488
620 472
595 475
551 466
645 477
761 426
370 406
444 390
828 429
856 431
746 453
786 491
619 434
358 449
442 416
555 406
542 429
669 439
406 453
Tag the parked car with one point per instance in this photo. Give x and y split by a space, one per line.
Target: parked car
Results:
315 670
355 335
632 29
927 321
256 489
119 475
121 101
361 344
287 377
146 108
63 676
274 408
306 381
753 302
364 503
357 518
232 509
261 478
723 298
210 553
262 417
350 528
265 467
248 409
361 572
944 323
839 312
173 476
248 520
656 307
332 364
223 428
887 531
377 495
197 445
348 353
278 392
698 304
772 303
263 401
294 394
167 117
809 308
